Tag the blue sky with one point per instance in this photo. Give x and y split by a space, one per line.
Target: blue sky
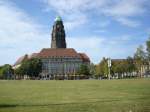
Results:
100 28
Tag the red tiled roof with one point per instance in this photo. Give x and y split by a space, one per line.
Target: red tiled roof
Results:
33 55
25 57
54 52
58 52
21 59
84 57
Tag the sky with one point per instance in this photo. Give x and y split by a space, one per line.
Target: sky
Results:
99 28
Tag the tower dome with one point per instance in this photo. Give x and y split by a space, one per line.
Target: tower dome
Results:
58 18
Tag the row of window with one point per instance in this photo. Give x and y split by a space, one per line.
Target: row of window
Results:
61 59
59 68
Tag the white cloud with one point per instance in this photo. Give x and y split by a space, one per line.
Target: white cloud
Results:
120 10
148 31
19 34
74 11
129 22
124 11
104 23
125 8
73 6
98 47
75 21
89 45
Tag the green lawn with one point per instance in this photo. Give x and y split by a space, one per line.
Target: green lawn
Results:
132 95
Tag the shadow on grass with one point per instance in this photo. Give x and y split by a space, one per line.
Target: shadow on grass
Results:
70 103
7 105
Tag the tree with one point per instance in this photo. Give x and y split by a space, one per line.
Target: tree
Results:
84 70
148 48
148 54
102 68
6 71
130 65
35 66
31 67
119 67
140 58
92 69
1 75
140 53
123 67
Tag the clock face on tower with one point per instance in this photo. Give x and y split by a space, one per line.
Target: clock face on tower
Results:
58 28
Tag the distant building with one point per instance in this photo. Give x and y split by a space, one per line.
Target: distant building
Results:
141 71
58 61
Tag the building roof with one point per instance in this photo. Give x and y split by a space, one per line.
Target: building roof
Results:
21 59
58 52
54 52
84 57
25 57
33 55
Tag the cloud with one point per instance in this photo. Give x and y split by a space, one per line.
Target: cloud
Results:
90 46
124 11
72 6
121 11
128 22
98 47
148 31
125 8
19 33
73 11
74 21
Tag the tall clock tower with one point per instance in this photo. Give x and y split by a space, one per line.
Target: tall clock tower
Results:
58 34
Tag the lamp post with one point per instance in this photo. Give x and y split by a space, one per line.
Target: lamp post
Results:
109 66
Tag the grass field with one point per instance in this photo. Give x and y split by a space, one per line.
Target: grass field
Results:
132 95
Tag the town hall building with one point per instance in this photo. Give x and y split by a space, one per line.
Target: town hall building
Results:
58 61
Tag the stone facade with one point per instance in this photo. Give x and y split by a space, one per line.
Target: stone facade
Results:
61 62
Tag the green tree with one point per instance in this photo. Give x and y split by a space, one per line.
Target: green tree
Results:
130 65
140 53
140 59
148 49
123 66
1 75
148 53
92 69
102 68
31 67
84 70
118 66
6 71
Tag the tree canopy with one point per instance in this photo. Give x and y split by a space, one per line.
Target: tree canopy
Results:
6 71
148 48
31 67
84 70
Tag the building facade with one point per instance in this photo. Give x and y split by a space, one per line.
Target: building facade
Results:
58 61
61 62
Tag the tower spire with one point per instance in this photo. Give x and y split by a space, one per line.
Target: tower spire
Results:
58 34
